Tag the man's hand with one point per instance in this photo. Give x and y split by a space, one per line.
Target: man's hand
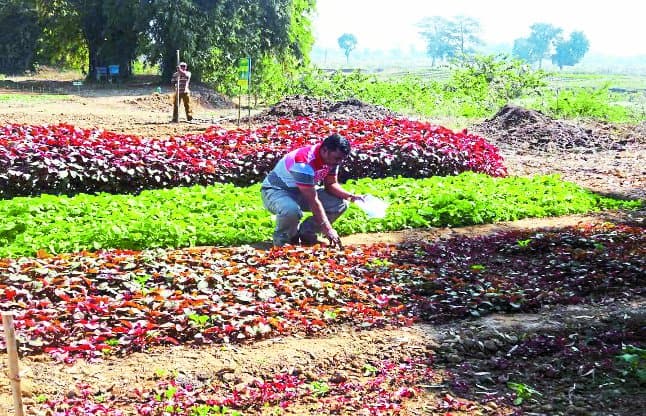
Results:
355 198
333 236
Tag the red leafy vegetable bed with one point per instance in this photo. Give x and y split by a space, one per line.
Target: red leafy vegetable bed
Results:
87 304
69 160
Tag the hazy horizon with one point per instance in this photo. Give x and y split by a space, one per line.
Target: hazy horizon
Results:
384 25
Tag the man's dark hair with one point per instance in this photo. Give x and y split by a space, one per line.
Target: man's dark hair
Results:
336 142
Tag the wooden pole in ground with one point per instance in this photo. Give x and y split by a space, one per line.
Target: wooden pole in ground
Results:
177 89
12 354
248 94
239 105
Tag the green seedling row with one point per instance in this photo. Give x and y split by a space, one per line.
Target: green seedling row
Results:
225 215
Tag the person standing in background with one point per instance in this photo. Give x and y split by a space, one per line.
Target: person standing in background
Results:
181 79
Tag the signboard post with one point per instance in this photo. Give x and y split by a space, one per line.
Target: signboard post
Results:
244 72
244 80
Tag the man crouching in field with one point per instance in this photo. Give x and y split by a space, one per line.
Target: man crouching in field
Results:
291 188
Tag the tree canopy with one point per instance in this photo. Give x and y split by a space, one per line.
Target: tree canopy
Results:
450 38
570 52
19 35
211 35
539 45
546 41
347 42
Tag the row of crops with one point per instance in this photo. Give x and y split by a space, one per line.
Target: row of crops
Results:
94 259
68 189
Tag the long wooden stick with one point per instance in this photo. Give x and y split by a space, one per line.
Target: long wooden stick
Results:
179 76
12 353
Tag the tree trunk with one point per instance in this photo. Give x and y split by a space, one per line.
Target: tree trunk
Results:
92 62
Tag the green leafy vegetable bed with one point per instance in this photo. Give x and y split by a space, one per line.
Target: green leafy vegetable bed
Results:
225 215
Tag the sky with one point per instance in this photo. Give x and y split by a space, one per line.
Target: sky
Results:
614 28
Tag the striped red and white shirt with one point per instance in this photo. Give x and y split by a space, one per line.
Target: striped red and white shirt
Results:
300 167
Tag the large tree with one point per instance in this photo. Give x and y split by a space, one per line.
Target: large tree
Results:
300 31
450 38
19 35
109 30
211 35
177 25
539 45
436 31
347 42
62 40
570 52
465 35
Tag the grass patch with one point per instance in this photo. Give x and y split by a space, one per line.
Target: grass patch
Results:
31 98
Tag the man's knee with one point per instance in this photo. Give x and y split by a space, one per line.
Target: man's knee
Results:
290 214
283 206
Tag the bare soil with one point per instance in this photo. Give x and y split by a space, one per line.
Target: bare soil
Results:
605 158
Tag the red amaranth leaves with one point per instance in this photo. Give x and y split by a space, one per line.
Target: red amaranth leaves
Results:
523 270
384 392
68 160
89 304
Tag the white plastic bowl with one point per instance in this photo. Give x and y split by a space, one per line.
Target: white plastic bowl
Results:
372 206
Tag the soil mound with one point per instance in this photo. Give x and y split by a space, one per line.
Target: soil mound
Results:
303 106
203 96
530 129
155 101
209 98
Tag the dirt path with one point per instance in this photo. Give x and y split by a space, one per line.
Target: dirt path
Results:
346 351
142 111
